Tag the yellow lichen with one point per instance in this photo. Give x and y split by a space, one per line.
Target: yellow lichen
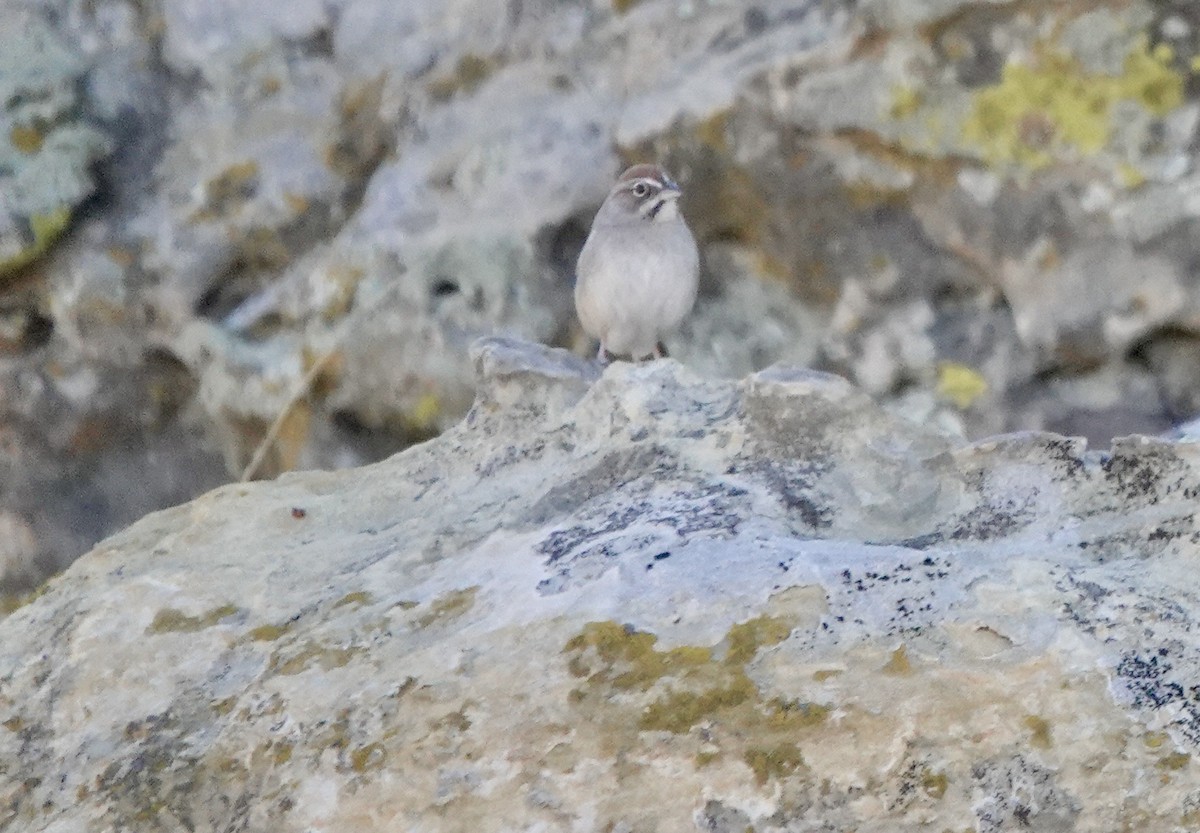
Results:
1129 175
960 384
1053 107
905 102
424 415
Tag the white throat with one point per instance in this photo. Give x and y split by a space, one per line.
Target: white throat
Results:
668 213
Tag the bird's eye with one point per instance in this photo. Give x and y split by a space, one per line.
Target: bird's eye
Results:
641 189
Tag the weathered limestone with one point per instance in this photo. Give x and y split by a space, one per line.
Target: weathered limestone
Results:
639 600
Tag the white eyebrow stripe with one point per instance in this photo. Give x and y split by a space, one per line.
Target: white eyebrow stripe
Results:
645 180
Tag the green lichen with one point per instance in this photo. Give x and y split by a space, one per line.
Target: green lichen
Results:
358 598
627 659
223 707
313 655
612 656
448 607
1040 729
1052 107
1174 761
774 761
792 716
745 639
455 720
626 678
226 192
468 74
16 601
934 783
268 633
678 711
898 664
46 229
1155 740
370 757
170 620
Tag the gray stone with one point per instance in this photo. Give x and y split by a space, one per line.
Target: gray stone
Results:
632 600
46 147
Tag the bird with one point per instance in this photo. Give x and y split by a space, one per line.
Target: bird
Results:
638 272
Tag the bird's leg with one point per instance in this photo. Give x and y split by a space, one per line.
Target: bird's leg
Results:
660 351
602 355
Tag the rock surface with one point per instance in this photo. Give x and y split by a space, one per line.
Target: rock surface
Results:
982 213
46 146
634 601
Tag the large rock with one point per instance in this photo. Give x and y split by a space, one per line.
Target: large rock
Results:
643 601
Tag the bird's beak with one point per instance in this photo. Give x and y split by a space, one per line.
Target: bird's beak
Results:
670 189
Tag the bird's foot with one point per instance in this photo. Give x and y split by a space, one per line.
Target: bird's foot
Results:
603 356
660 351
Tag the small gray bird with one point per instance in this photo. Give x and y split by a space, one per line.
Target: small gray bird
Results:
637 274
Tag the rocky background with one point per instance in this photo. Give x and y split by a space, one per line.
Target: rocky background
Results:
227 227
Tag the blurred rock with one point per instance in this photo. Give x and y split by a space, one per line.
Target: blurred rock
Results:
984 214
1174 362
46 146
